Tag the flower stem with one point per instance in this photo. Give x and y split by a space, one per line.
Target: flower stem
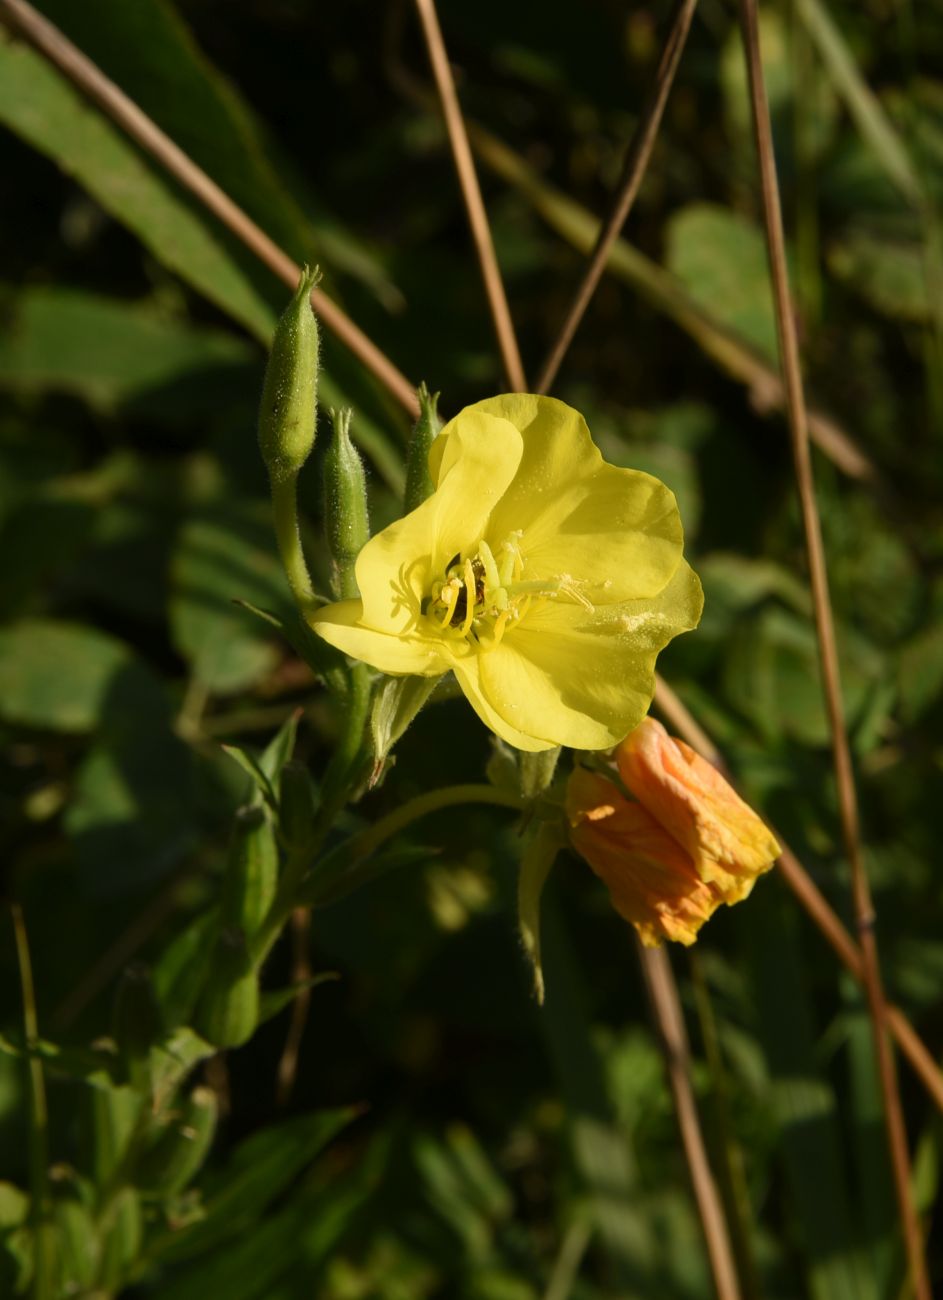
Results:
348 866
339 780
288 536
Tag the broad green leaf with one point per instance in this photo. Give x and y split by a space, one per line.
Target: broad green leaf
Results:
889 274
261 1168
132 816
108 352
921 672
220 557
771 674
43 108
148 49
720 257
60 675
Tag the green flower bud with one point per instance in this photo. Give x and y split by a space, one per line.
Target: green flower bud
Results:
296 804
229 1009
251 872
345 503
115 1113
177 1155
418 479
288 414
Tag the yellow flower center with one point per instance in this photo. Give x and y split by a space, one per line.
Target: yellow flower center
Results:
481 595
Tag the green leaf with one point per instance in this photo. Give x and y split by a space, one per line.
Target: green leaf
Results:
147 48
280 748
251 765
42 107
262 1167
108 352
888 273
921 672
720 258
220 557
171 1061
59 675
276 1000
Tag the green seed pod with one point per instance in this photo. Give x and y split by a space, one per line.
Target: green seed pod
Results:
122 1230
229 1010
296 804
251 872
177 1155
418 479
288 414
137 1023
345 504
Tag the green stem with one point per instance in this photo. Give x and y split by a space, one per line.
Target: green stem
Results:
347 867
39 1126
288 536
338 783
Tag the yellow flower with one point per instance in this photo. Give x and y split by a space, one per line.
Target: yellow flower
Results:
544 578
689 844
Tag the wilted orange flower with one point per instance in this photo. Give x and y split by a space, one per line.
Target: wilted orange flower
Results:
689 844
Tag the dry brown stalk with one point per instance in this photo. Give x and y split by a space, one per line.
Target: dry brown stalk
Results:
471 196
828 653
21 17
634 168
666 1005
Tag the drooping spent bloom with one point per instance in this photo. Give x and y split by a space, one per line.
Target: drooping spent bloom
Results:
546 579
685 843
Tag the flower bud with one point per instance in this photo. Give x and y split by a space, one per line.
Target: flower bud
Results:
114 1116
180 1150
229 1009
687 845
345 504
295 804
251 872
419 484
288 414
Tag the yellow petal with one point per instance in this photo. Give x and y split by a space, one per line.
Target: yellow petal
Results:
727 841
396 567
616 532
586 679
468 677
341 625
